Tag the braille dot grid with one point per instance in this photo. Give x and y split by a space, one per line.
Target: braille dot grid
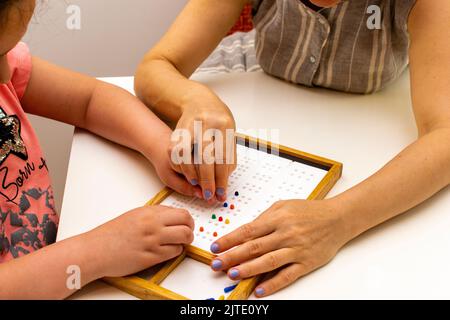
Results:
259 180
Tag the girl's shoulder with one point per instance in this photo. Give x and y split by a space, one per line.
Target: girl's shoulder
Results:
20 64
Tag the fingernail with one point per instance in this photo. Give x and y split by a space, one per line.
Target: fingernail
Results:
216 264
194 182
215 248
220 191
208 194
234 273
260 292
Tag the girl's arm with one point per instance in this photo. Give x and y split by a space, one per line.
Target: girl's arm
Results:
302 236
44 273
162 82
103 109
141 238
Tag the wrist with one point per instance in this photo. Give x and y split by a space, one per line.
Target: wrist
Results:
157 146
345 217
91 261
194 92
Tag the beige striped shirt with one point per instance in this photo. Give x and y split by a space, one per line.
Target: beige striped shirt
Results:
357 46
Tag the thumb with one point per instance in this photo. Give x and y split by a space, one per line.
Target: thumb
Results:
182 186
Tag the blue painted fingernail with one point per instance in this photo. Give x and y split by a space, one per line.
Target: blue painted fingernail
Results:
234 273
194 182
217 264
208 194
220 191
260 292
215 248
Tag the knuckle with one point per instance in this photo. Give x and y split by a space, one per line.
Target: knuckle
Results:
288 276
205 180
272 261
189 170
185 215
278 204
247 231
187 235
178 250
255 248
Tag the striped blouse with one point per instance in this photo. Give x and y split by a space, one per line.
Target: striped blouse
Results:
357 46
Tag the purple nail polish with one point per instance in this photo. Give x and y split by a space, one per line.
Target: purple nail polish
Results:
216 264
208 194
260 292
234 273
220 191
215 248
194 182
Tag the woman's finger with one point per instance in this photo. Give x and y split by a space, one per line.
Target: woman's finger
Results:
225 149
256 229
266 263
221 174
282 279
176 235
247 251
206 171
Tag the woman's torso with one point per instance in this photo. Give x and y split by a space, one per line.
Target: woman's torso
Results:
357 46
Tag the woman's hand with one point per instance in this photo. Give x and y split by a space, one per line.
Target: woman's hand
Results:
209 128
294 237
140 239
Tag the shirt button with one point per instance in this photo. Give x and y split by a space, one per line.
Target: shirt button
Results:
312 59
321 21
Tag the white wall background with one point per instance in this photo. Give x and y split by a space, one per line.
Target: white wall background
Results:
114 36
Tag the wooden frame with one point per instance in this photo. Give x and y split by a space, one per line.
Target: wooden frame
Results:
152 289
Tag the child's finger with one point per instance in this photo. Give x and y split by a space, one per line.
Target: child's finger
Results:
249 250
175 161
181 185
247 232
266 263
188 170
176 235
178 217
168 252
187 165
281 280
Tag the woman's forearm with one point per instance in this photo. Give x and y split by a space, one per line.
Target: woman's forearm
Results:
44 274
161 79
418 172
165 90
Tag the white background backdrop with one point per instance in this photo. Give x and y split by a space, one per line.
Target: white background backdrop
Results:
114 36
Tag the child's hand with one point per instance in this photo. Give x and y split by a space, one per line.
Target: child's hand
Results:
140 239
296 237
209 113
162 163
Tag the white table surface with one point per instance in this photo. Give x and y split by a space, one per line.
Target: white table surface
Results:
408 257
